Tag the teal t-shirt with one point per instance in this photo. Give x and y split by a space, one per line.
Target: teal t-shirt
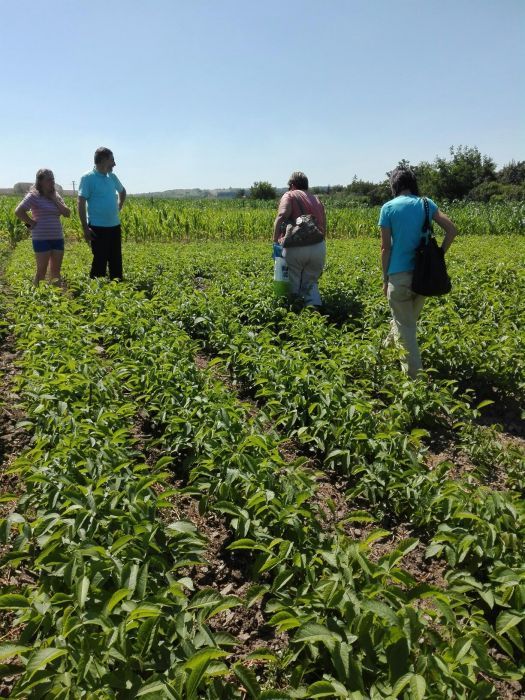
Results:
100 192
404 216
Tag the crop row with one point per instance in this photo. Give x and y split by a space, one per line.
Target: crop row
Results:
112 614
245 220
233 470
339 394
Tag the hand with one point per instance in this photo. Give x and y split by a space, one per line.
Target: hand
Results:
89 235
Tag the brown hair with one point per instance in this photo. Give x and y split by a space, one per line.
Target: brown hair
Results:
403 179
40 175
299 180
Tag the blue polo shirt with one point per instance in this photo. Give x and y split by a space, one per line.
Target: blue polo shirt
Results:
100 192
404 216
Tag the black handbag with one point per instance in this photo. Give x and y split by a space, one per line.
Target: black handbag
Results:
304 232
430 276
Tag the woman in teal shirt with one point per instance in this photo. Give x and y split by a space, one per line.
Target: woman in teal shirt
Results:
401 220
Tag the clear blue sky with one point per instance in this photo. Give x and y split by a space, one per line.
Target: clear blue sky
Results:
211 94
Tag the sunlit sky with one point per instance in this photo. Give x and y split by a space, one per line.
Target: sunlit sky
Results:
216 94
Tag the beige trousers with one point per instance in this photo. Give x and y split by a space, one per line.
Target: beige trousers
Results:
405 306
305 266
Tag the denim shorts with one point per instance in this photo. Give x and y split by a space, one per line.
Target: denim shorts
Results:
46 245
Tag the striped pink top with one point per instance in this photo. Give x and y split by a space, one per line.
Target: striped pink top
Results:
46 215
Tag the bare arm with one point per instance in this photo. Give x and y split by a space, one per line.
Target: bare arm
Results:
386 249
447 226
24 216
121 198
61 206
88 233
283 214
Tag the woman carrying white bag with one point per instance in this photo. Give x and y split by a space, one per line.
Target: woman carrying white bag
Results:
305 262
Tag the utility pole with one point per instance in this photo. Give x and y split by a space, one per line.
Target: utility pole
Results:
73 187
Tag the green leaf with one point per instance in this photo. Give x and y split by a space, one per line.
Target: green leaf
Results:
146 635
13 601
486 402
205 598
398 656
416 683
158 689
312 632
376 535
82 591
516 638
143 611
42 657
418 687
341 661
14 558
263 655
207 654
282 579
248 679
142 580
461 648
246 543
488 596
182 526
163 462
121 542
326 689
8 650
506 620
115 599
198 664
381 610
254 593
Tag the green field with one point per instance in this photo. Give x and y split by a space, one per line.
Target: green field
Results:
222 497
247 220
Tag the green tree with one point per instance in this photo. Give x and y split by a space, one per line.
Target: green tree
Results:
513 173
262 190
466 169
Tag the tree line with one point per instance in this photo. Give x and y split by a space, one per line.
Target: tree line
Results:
465 175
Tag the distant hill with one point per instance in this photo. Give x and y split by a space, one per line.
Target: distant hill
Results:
194 193
197 193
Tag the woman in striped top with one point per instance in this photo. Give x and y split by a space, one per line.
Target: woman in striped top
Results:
46 208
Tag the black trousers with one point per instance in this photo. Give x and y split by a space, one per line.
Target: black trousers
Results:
107 252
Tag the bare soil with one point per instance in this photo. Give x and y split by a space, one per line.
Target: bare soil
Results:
13 441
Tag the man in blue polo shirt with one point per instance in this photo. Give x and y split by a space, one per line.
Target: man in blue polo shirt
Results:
104 196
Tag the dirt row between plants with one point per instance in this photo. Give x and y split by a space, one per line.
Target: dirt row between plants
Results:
13 441
225 571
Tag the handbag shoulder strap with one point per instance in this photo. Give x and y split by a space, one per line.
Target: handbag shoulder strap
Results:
427 226
299 204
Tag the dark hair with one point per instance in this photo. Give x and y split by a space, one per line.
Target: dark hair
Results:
102 153
299 180
40 175
403 179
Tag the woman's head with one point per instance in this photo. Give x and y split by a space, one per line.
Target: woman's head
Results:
298 180
44 181
402 179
